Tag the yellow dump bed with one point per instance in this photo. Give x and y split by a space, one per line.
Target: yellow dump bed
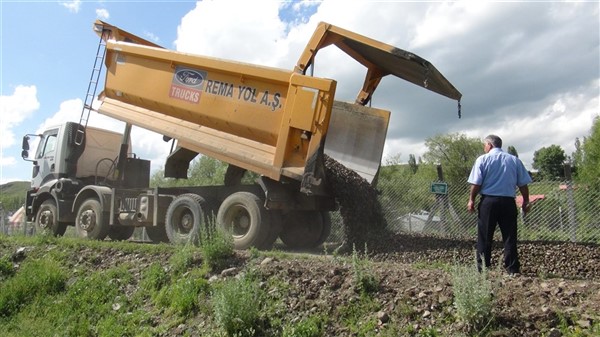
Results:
270 121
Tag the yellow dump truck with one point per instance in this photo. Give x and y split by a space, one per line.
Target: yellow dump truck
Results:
274 122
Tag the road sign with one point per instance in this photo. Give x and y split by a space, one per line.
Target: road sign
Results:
439 188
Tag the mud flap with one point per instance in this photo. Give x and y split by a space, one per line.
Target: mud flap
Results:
313 179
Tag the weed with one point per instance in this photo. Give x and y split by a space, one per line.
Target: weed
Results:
216 246
237 305
472 296
154 278
6 268
313 326
183 259
254 252
358 316
364 280
182 295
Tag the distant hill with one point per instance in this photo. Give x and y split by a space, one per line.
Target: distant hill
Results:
12 195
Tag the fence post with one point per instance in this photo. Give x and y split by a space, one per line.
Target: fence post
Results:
571 203
2 223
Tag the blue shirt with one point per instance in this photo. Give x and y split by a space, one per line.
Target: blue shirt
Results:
499 173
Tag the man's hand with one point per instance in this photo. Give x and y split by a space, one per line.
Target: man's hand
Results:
526 207
471 206
472 195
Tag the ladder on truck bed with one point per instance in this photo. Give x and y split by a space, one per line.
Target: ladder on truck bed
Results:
92 87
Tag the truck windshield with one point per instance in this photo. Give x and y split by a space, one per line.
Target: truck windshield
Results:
47 144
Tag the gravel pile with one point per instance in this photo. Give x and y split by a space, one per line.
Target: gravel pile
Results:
364 223
544 259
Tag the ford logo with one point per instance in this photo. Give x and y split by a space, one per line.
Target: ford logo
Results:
189 77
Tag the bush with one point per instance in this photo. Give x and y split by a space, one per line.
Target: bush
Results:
237 305
472 296
216 246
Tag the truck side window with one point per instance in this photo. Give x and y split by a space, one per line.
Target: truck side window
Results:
49 145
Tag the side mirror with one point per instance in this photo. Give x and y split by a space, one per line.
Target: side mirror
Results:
25 154
25 145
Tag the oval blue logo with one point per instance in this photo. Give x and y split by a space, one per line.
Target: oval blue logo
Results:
189 77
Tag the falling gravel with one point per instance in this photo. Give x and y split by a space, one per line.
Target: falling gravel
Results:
361 212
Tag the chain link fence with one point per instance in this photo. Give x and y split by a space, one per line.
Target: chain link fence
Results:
412 204
561 210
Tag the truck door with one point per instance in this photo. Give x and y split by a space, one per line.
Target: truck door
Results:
45 159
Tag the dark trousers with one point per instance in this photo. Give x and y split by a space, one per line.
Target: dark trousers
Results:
503 212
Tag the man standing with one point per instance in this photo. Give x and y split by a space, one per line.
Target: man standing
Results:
496 176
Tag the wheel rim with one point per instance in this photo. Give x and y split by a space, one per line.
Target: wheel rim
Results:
185 221
87 220
238 220
46 220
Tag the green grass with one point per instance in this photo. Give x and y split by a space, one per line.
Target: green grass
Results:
358 315
312 326
34 280
70 287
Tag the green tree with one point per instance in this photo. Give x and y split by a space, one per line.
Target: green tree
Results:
511 149
412 163
549 161
588 160
455 152
204 171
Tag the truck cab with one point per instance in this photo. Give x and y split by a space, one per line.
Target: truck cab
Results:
62 166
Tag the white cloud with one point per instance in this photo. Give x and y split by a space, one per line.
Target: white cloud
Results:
237 30
66 113
72 6
15 109
152 37
525 72
102 14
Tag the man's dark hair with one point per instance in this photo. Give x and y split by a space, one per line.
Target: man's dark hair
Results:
494 140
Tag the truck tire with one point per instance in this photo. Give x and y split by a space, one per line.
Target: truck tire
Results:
120 233
275 220
46 220
157 234
243 215
326 230
184 219
91 222
305 229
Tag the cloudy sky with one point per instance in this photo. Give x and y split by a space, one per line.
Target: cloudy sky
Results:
528 71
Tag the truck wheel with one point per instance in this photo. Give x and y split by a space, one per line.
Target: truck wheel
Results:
303 229
46 219
120 233
184 218
91 222
157 234
326 230
243 215
275 220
